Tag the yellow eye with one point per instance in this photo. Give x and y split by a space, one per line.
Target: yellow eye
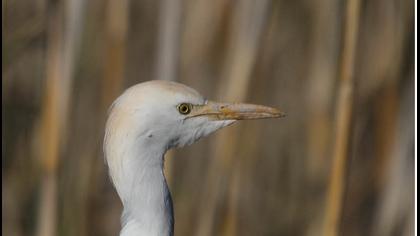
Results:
184 108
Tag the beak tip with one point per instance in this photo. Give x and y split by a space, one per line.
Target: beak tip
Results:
279 114
282 114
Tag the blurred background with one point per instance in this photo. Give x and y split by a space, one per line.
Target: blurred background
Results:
341 162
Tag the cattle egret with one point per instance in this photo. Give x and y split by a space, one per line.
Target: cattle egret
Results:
144 122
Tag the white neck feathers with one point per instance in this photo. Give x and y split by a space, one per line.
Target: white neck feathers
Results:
136 170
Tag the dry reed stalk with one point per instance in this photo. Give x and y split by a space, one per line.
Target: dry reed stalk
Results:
74 21
117 13
169 40
320 85
343 110
386 110
61 52
321 73
396 205
50 130
248 20
394 173
202 21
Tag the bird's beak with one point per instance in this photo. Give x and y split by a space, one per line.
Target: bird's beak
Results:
235 111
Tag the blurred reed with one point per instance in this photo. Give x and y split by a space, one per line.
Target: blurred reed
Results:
63 47
64 62
117 16
342 133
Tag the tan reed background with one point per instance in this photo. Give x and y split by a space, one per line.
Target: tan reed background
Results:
340 163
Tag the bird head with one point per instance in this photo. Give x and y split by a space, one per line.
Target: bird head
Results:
168 114
146 121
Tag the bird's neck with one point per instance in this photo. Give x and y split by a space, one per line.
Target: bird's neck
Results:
142 187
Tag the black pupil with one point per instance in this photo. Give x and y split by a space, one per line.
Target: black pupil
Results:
184 108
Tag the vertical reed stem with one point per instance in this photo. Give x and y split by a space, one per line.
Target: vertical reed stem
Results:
343 119
116 39
62 50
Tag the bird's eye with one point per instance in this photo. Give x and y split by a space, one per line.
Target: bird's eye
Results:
184 108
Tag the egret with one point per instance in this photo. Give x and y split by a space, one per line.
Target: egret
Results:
143 123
